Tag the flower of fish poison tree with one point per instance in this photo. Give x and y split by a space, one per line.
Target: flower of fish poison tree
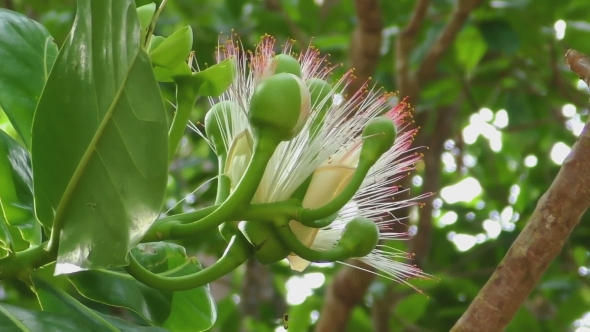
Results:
319 160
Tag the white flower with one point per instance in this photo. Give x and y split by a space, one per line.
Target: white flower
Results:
331 154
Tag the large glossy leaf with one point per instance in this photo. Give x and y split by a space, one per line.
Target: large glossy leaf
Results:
16 189
192 310
57 303
27 52
18 319
100 140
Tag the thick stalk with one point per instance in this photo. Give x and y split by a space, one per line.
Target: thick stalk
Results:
289 239
186 97
238 251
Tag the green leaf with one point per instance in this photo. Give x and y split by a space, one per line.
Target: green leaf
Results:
6 245
27 52
145 15
210 82
16 189
173 50
580 255
100 141
470 48
216 79
19 319
500 36
56 301
300 315
192 310
412 307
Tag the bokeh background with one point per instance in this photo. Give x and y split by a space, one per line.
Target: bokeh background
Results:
498 110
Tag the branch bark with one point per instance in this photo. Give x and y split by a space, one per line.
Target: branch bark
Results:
557 213
345 292
446 37
404 45
444 117
366 42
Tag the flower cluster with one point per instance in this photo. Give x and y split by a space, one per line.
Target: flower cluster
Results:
322 151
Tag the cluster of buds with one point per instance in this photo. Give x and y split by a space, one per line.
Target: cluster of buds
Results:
314 170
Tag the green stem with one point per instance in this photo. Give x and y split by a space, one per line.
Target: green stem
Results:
311 218
153 22
155 232
289 239
23 262
186 97
238 252
232 206
268 212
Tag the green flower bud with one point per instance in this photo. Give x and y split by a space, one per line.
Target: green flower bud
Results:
280 106
320 92
360 237
267 246
174 50
378 137
285 63
219 117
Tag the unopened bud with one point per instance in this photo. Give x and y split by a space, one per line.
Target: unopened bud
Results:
378 137
280 105
285 63
359 237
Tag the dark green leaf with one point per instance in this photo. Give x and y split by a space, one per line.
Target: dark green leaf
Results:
100 140
27 52
53 299
16 189
500 36
57 303
412 307
192 310
18 320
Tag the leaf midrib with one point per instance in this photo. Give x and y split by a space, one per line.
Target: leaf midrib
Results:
90 151
14 319
69 300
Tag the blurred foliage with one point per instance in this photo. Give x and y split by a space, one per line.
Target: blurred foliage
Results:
507 57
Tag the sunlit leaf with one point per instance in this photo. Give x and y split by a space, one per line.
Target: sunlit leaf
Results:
100 140
469 48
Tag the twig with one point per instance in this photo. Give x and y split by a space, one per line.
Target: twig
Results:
445 38
404 45
557 213
346 291
366 42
